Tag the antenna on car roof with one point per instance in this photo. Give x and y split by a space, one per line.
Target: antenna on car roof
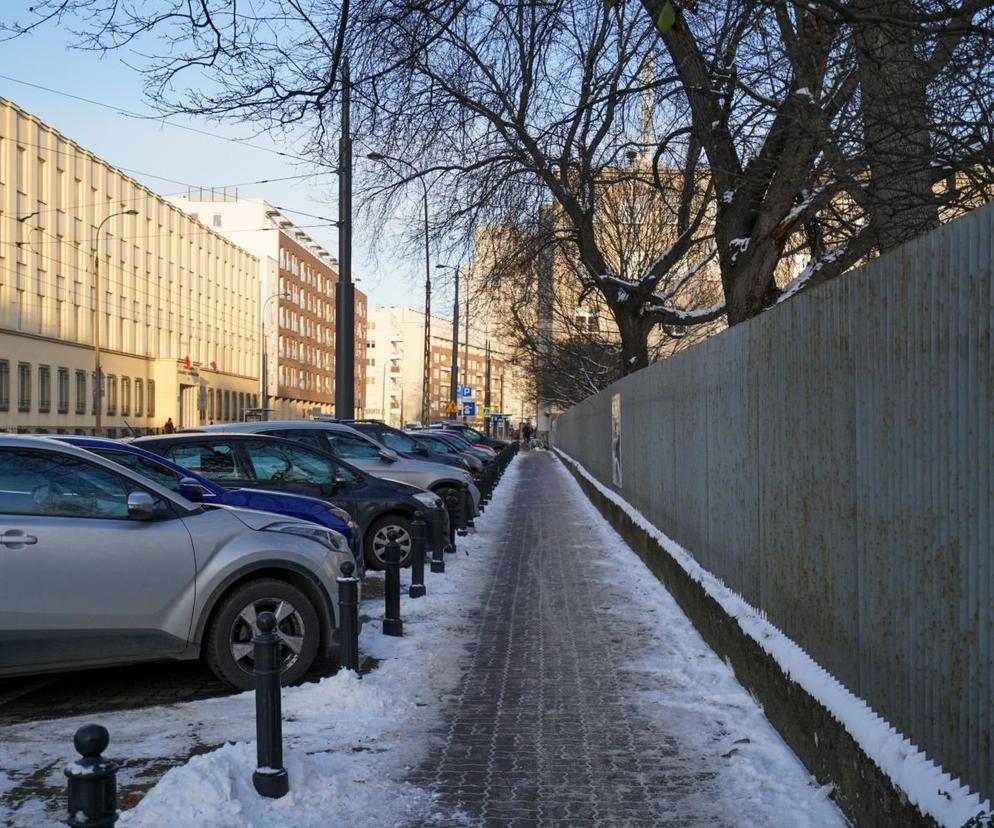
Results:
132 429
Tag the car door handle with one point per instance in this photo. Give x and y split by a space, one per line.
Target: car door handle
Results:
15 537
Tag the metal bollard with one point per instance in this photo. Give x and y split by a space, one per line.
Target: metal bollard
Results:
92 781
462 521
452 505
437 541
269 778
348 614
392 625
418 532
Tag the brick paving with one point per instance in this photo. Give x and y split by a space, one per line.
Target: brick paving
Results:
540 731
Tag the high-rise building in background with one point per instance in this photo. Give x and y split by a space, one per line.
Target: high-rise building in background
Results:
297 283
176 303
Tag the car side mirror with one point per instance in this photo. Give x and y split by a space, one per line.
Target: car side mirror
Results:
421 449
389 455
191 490
140 506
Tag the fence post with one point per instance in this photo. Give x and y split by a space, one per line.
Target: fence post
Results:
269 778
92 781
392 625
417 589
348 614
437 541
462 526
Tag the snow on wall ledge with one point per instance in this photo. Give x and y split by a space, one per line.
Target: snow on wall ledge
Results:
935 793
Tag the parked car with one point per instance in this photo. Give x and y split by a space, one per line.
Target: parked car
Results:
364 452
102 566
249 460
199 489
484 454
394 438
470 433
441 444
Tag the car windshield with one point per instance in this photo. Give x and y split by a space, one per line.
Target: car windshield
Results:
279 462
143 466
396 440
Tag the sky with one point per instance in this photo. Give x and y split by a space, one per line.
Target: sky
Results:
168 159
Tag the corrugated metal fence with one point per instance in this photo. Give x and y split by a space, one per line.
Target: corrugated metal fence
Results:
831 461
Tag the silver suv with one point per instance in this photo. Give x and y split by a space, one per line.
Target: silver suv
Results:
101 566
363 451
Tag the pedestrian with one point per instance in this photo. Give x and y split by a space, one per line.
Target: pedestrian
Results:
169 428
526 433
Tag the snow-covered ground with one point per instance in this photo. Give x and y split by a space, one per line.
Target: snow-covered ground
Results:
348 742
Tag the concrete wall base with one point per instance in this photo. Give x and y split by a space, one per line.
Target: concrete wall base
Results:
862 790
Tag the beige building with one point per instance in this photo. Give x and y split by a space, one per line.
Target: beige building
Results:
176 303
297 282
395 368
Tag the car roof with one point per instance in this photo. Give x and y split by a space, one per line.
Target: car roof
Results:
261 425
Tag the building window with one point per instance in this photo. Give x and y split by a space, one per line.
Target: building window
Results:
210 405
4 382
111 395
139 402
23 386
97 390
151 398
217 219
44 389
125 396
63 390
81 392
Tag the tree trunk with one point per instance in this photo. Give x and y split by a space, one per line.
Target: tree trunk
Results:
634 341
896 120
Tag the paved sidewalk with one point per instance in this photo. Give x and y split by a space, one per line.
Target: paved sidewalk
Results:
549 725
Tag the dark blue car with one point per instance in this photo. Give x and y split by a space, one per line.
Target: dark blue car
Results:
199 489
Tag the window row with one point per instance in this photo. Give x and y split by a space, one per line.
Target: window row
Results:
133 396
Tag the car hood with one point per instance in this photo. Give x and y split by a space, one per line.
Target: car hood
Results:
253 518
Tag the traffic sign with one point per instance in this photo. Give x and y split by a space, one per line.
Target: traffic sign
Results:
486 411
469 409
451 407
464 392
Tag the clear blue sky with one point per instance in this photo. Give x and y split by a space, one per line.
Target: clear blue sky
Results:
154 149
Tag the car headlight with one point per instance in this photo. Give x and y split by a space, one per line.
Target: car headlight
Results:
328 538
432 501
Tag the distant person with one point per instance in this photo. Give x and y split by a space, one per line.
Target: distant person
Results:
526 433
169 428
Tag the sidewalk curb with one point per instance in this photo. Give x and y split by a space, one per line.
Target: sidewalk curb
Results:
864 792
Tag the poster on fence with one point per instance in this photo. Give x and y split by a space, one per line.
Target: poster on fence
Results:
616 439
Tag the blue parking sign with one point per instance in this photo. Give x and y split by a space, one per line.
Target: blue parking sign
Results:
468 409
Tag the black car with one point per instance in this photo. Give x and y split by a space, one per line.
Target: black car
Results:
400 442
261 461
444 443
469 433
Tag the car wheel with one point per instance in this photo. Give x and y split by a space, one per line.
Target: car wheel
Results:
375 547
228 646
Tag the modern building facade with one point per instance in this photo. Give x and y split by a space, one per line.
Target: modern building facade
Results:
297 283
85 248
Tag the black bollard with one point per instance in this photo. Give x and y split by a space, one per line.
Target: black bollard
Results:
418 528
452 505
462 522
269 778
392 625
437 541
348 612
92 781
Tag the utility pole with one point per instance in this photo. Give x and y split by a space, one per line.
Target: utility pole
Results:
486 396
454 379
345 295
465 367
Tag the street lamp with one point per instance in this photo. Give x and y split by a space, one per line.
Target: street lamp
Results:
264 372
426 379
98 388
453 378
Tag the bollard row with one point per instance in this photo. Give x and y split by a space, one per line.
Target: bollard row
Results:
92 780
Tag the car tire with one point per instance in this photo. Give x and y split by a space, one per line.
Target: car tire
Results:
228 639
374 545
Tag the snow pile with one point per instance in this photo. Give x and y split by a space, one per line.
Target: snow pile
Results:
348 742
926 785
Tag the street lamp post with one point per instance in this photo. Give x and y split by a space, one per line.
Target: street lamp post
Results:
264 372
98 379
426 379
454 376
345 294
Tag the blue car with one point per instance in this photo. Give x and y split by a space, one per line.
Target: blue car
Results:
199 489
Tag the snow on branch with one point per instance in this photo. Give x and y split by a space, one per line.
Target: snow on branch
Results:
799 282
683 278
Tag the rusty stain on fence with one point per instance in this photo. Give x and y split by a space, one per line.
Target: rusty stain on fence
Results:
831 460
